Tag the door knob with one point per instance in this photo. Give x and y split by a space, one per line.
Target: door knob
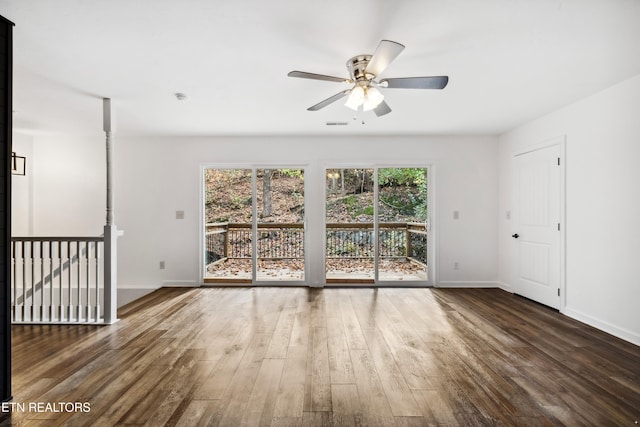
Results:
515 236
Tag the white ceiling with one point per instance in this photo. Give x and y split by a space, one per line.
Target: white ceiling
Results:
509 61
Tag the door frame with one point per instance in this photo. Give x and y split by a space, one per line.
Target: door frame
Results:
559 141
254 223
431 216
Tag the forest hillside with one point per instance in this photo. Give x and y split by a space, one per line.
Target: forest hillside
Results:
349 195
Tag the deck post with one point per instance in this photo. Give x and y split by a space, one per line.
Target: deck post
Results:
225 252
110 229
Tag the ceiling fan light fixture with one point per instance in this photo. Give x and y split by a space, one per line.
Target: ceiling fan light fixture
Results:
372 99
356 98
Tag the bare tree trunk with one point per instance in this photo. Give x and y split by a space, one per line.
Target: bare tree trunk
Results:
267 208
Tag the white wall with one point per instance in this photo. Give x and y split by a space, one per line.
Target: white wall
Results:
156 176
602 205
69 176
22 189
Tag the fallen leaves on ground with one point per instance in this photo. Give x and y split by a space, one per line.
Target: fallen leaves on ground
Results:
242 267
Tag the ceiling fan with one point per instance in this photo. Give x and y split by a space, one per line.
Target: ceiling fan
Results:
364 71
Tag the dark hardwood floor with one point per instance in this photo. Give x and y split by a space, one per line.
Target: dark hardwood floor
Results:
298 356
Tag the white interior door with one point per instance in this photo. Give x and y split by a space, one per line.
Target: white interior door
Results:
536 225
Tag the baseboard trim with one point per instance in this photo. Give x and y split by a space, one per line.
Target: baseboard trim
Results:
180 284
505 287
127 295
466 284
607 327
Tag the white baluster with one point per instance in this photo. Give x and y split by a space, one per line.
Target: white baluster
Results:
79 297
60 267
97 266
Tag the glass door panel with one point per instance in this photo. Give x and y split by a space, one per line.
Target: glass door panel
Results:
349 253
402 224
280 233
228 221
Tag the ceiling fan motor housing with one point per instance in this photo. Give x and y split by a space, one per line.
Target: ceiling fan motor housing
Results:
357 66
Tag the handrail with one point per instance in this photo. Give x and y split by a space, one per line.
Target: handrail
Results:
245 225
363 225
57 239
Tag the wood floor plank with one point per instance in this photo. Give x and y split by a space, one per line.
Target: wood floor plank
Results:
316 419
291 393
224 371
352 327
409 352
282 334
301 326
395 388
174 394
435 408
352 356
236 398
320 373
193 414
371 395
261 403
340 366
345 404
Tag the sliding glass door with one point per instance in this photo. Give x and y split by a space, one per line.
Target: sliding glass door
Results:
349 214
376 222
375 226
402 224
254 225
280 225
228 211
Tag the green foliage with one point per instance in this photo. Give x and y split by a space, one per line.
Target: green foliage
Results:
354 208
412 200
239 201
293 173
349 201
402 176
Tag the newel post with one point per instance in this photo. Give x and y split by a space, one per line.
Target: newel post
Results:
110 229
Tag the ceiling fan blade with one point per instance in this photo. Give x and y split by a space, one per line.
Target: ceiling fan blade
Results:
329 100
304 75
382 109
382 57
437 82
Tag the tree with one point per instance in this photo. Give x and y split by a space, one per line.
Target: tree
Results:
267 206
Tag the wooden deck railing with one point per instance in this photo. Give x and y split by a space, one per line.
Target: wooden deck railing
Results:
57 279
417 243
234 240
344 240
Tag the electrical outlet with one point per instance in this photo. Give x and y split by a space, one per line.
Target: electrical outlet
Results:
456 265
161 265
179 214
